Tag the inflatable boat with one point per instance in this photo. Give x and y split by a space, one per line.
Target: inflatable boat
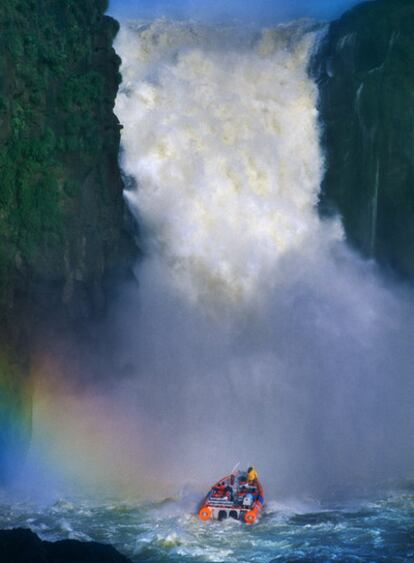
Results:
239 496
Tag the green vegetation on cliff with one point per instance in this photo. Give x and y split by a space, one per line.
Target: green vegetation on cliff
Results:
365 70
60 188
61 205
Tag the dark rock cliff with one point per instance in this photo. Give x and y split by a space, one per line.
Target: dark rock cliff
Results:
61 209
23 546
365 72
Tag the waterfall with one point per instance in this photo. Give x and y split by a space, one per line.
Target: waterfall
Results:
221 137
375 198
255 335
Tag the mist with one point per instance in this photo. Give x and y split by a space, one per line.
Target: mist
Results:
313 388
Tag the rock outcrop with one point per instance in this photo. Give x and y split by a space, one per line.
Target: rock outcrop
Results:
365 71
23 546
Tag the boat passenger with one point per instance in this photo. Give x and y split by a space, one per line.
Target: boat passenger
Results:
252 475
220 490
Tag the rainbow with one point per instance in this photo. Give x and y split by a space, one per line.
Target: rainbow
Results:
83 438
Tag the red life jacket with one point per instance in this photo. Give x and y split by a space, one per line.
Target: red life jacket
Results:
219 491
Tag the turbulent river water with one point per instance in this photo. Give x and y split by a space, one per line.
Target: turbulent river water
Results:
375 529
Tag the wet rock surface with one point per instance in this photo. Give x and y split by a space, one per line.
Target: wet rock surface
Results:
23 546
365 72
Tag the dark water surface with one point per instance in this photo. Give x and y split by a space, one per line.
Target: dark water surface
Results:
376 529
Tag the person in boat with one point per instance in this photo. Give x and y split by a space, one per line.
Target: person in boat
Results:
252 476
222 490
243 489
254 485
252 480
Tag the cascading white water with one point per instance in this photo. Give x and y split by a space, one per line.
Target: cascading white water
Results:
303 349
221 136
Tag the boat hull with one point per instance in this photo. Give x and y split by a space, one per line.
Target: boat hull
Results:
231 504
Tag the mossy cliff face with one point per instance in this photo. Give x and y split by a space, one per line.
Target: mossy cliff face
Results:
365 71
61 206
